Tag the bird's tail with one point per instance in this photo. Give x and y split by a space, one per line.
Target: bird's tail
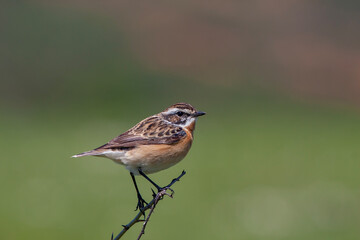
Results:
89 153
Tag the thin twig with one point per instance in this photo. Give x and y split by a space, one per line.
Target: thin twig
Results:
135 220
157 198
151 205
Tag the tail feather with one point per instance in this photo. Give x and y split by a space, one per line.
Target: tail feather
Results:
89 153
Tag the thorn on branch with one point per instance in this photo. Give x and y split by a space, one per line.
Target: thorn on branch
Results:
126 227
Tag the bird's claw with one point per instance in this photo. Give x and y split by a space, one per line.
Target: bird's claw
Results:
164 189
153 193
141 204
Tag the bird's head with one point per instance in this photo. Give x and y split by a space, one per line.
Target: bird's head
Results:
182 114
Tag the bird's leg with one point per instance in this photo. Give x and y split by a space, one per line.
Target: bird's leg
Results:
151 181
162 188
141 202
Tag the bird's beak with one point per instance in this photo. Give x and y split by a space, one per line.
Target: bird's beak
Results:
199 113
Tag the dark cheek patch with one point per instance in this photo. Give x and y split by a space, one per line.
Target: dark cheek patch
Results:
173 118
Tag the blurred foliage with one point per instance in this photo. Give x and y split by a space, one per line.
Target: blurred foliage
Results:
263 166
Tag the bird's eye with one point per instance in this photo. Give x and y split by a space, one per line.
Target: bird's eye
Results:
179 113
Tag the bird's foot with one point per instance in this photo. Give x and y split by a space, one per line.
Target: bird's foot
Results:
141 204
167 187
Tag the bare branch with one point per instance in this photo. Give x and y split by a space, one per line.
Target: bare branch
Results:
159 196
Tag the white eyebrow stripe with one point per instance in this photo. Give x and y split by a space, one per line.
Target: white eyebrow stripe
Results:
174 110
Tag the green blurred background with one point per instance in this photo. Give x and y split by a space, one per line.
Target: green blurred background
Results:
276 157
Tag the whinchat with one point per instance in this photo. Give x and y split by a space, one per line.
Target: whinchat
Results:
154 144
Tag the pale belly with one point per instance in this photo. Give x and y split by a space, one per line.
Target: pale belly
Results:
150 158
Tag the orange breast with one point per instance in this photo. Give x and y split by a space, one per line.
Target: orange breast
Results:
190 128
154 158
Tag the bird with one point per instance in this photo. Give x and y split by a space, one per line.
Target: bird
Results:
154 144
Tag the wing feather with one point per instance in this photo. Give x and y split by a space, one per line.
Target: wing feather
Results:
152 130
